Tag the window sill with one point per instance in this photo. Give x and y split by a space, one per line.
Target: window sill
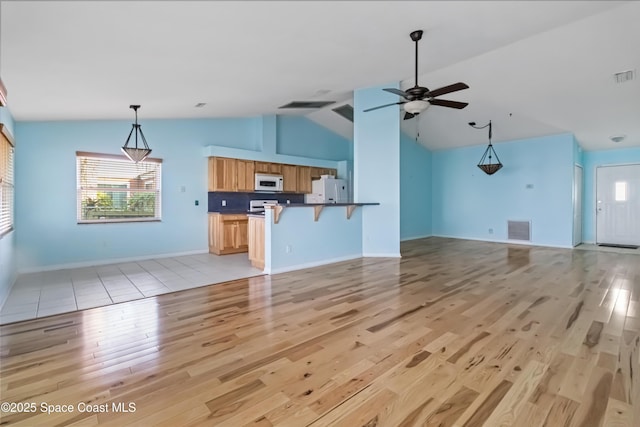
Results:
117 221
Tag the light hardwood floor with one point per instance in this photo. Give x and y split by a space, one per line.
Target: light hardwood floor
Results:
456 333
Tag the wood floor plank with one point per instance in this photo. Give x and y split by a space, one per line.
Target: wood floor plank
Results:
454 333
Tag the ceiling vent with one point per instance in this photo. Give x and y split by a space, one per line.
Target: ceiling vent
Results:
345 111
624 76
307 104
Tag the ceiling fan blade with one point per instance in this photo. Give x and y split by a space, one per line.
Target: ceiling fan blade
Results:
383 106
448 89
396 91
408 116
450 104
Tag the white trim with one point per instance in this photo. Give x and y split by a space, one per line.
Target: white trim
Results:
379 255
509 242
108 261
416 237
311 264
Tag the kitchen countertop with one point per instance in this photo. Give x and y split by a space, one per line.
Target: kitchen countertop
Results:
230 212
317 207
301 205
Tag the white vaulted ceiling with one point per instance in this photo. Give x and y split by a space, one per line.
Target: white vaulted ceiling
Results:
534 68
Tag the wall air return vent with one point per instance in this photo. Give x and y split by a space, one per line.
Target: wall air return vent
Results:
345 111
519 230
307 104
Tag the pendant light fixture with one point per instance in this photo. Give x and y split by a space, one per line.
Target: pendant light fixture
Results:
136 154
486 162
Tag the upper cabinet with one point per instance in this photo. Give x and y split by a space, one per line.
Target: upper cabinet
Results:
316 172
226 174
268 167
246 174
290 178
223 174
304 179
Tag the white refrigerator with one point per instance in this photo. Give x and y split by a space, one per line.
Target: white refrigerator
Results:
328 190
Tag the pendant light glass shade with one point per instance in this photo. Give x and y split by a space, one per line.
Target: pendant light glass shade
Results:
136 154
416 107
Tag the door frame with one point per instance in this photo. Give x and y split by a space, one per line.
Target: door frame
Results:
576 240
595 192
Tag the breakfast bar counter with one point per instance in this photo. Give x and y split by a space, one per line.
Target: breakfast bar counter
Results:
317 208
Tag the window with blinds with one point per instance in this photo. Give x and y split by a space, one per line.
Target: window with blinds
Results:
112 188
6 182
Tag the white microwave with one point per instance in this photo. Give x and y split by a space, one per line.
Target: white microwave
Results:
265 182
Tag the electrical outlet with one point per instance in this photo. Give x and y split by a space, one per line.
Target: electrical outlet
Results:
224 203
197 202
288 202
288 249
183 188
491 231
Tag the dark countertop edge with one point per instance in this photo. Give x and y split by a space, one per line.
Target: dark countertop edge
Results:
230 212
302 205
295 205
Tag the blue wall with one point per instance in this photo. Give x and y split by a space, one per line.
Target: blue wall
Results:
376 157
287 145
415 189
593 159
332 238
8 269
299 136
467 202
47 234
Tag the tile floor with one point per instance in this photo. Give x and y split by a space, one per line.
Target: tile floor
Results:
53 292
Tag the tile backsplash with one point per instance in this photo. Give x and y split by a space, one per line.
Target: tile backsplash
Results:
239 202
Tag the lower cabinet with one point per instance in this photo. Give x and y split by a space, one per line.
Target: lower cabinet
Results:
228 233
256 241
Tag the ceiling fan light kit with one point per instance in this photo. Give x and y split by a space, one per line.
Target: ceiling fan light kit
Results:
486 163
136 154
416 107
419 98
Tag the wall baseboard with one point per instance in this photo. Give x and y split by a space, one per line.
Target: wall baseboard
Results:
312 264
108 261
509 242
404 239
378 255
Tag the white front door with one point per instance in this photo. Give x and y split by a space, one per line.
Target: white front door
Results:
618 205
577 205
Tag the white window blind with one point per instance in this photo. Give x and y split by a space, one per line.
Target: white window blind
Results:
112 188
6 182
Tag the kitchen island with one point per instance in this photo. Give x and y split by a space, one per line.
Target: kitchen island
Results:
296 236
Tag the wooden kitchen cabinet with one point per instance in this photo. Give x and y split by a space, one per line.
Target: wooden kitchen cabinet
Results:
267 167
256 241
226 174
316 172
228 233
246 175
290 177
304 179
223 174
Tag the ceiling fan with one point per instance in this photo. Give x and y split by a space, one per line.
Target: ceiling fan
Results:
418 98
